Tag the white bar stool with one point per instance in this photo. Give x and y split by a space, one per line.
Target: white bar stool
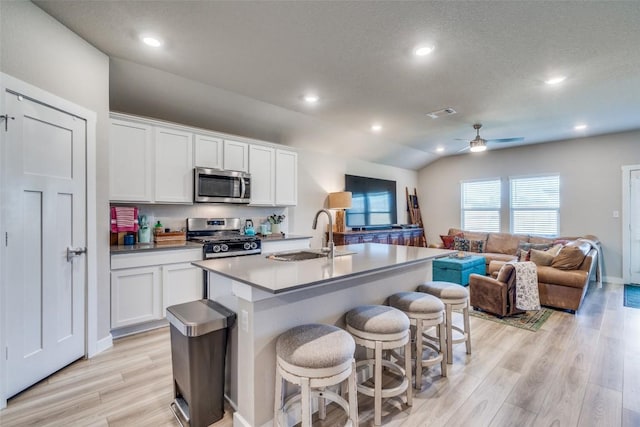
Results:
379 327
314 357
455 298
424 311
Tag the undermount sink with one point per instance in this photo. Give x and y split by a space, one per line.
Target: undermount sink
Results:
304 255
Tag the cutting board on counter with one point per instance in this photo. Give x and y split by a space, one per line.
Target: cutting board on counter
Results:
172 236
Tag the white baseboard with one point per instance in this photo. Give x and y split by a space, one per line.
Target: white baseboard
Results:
238 421
103 344
613 279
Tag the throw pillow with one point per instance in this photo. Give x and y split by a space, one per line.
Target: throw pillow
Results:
541 258
460 244
523 255
447 240
528 246
466 245
555 249
504 273
571 255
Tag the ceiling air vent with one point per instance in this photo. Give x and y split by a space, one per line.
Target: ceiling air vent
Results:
444 112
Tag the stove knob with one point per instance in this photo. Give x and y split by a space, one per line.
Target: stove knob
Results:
254 245
216 248
224 248
247 246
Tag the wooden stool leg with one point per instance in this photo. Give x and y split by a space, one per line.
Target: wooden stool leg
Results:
467 329
407 367
322 408
448 326
443 348
277 409
353 395
377 378
306 402
419 329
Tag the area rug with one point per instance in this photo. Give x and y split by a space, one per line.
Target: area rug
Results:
529 320
632 296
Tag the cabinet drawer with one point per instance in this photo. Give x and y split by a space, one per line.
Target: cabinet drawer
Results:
144 259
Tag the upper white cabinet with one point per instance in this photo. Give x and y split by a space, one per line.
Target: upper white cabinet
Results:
286 178
236 155
208 152
130 161
262 163
173 166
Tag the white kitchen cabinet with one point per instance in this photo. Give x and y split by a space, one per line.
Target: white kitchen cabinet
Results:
262 163
144 283
130 161
286 178
181 283
208 152
173 166
236 155
136 296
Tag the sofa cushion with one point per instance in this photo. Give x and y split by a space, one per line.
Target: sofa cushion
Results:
503 243
540 239
504 273
571 255
574 278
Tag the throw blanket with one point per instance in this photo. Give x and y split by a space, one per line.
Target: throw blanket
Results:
527 297
596 245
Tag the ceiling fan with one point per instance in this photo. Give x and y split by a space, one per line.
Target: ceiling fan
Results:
479 144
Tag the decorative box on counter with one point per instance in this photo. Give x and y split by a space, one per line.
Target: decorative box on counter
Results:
170 237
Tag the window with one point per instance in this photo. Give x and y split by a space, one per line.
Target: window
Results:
535 205
481 205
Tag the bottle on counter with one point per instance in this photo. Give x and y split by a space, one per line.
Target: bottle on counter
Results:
158 228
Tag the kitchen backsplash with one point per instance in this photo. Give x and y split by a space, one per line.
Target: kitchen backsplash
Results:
174 216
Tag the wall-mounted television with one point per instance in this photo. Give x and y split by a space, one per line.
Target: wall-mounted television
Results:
373 202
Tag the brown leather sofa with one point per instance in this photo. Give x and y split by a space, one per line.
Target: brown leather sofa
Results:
560 288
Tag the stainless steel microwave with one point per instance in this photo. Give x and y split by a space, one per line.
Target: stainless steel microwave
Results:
221 186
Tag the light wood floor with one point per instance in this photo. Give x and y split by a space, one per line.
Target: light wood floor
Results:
580 370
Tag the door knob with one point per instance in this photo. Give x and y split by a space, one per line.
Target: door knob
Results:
74 252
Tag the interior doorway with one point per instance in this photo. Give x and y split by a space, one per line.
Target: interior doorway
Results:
631 224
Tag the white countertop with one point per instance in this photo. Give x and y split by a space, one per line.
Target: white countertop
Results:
281 276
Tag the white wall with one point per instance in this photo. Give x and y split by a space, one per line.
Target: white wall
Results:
39 50
590 186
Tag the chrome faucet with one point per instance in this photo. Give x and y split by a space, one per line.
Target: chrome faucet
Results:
330 249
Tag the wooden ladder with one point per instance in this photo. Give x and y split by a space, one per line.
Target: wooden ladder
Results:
414 214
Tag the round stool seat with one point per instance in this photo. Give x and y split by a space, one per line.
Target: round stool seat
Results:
315 346
377 319
446 291
416 302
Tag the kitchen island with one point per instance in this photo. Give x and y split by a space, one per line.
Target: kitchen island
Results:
271 296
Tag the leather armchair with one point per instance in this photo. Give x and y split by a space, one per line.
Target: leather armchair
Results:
495 295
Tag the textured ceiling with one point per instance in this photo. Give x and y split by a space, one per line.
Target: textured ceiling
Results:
242 66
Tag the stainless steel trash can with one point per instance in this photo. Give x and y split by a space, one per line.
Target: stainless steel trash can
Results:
198 349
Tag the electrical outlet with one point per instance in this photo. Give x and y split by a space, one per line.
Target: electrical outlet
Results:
616 214
244 320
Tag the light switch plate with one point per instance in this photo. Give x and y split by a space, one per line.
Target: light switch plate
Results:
616 214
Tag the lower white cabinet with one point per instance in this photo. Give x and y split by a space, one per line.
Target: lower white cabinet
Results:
144 284
272 246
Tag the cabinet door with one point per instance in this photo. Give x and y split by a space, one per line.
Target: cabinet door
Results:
286 178
351 239
173 166
208 152
181 283
261 166
395 238
135 296
130 162
236 156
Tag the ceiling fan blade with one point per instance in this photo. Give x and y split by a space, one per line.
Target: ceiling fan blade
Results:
464 149
500 140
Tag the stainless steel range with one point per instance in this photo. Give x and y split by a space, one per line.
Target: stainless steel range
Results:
221 237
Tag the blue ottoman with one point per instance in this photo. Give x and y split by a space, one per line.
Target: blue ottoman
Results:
457 270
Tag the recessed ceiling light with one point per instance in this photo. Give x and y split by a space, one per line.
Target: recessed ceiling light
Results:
580 127
555 80
440 149
311 98
376 127
151 41
423 50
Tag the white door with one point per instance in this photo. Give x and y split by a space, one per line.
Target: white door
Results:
44 202
634 226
